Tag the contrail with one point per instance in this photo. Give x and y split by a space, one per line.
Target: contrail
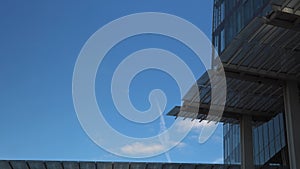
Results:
163 140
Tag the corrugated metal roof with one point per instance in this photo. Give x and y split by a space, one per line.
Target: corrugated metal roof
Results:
256 63
264 49
261 99
22 164
292 6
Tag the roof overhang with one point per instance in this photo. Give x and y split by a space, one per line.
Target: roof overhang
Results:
262 98
257 62
265 50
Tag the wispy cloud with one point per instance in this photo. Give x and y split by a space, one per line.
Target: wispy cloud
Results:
218 161
144 148
163 128
203 129
184 125
139 148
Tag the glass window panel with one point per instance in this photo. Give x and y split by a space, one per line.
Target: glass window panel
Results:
277 143
234 23
216 46
260 136
283 139
256 160
256 141
248 11
231 142
239 151
281 122
219 15
222 11
271 130
261 158
266 134
239 19
230 30
276 125
216 15
271 137
222 45
225 147
235 155
238 134
227 7
266 153
257 4
236 137
227 127
272 148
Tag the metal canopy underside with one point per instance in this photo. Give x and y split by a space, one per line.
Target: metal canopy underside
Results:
264 50
265 53
290 6
106 165
256 63
261 98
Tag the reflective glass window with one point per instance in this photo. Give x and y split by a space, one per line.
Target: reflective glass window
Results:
222 45
222 11
266 141
260 139
271 137
247 11
277 143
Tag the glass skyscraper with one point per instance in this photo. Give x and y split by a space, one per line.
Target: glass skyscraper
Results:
269 138
258 43
231 16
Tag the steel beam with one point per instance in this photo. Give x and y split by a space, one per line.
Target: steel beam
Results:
246 143
292 117
260 73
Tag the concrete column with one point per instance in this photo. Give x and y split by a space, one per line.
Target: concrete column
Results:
246 142
292 117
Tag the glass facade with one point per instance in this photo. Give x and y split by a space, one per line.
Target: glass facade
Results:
231 16
231 143
268 140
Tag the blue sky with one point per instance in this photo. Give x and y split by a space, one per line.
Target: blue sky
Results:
40 42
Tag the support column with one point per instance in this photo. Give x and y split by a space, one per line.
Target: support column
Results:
292 117
246 142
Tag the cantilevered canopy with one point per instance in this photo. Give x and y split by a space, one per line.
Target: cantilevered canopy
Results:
288 6
265 50
261 98
256 62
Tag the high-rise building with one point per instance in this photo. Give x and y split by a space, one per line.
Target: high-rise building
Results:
258 43
229 18
269 142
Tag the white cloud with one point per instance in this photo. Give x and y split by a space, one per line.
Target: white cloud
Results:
218 161
196 128
142 148
184 125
